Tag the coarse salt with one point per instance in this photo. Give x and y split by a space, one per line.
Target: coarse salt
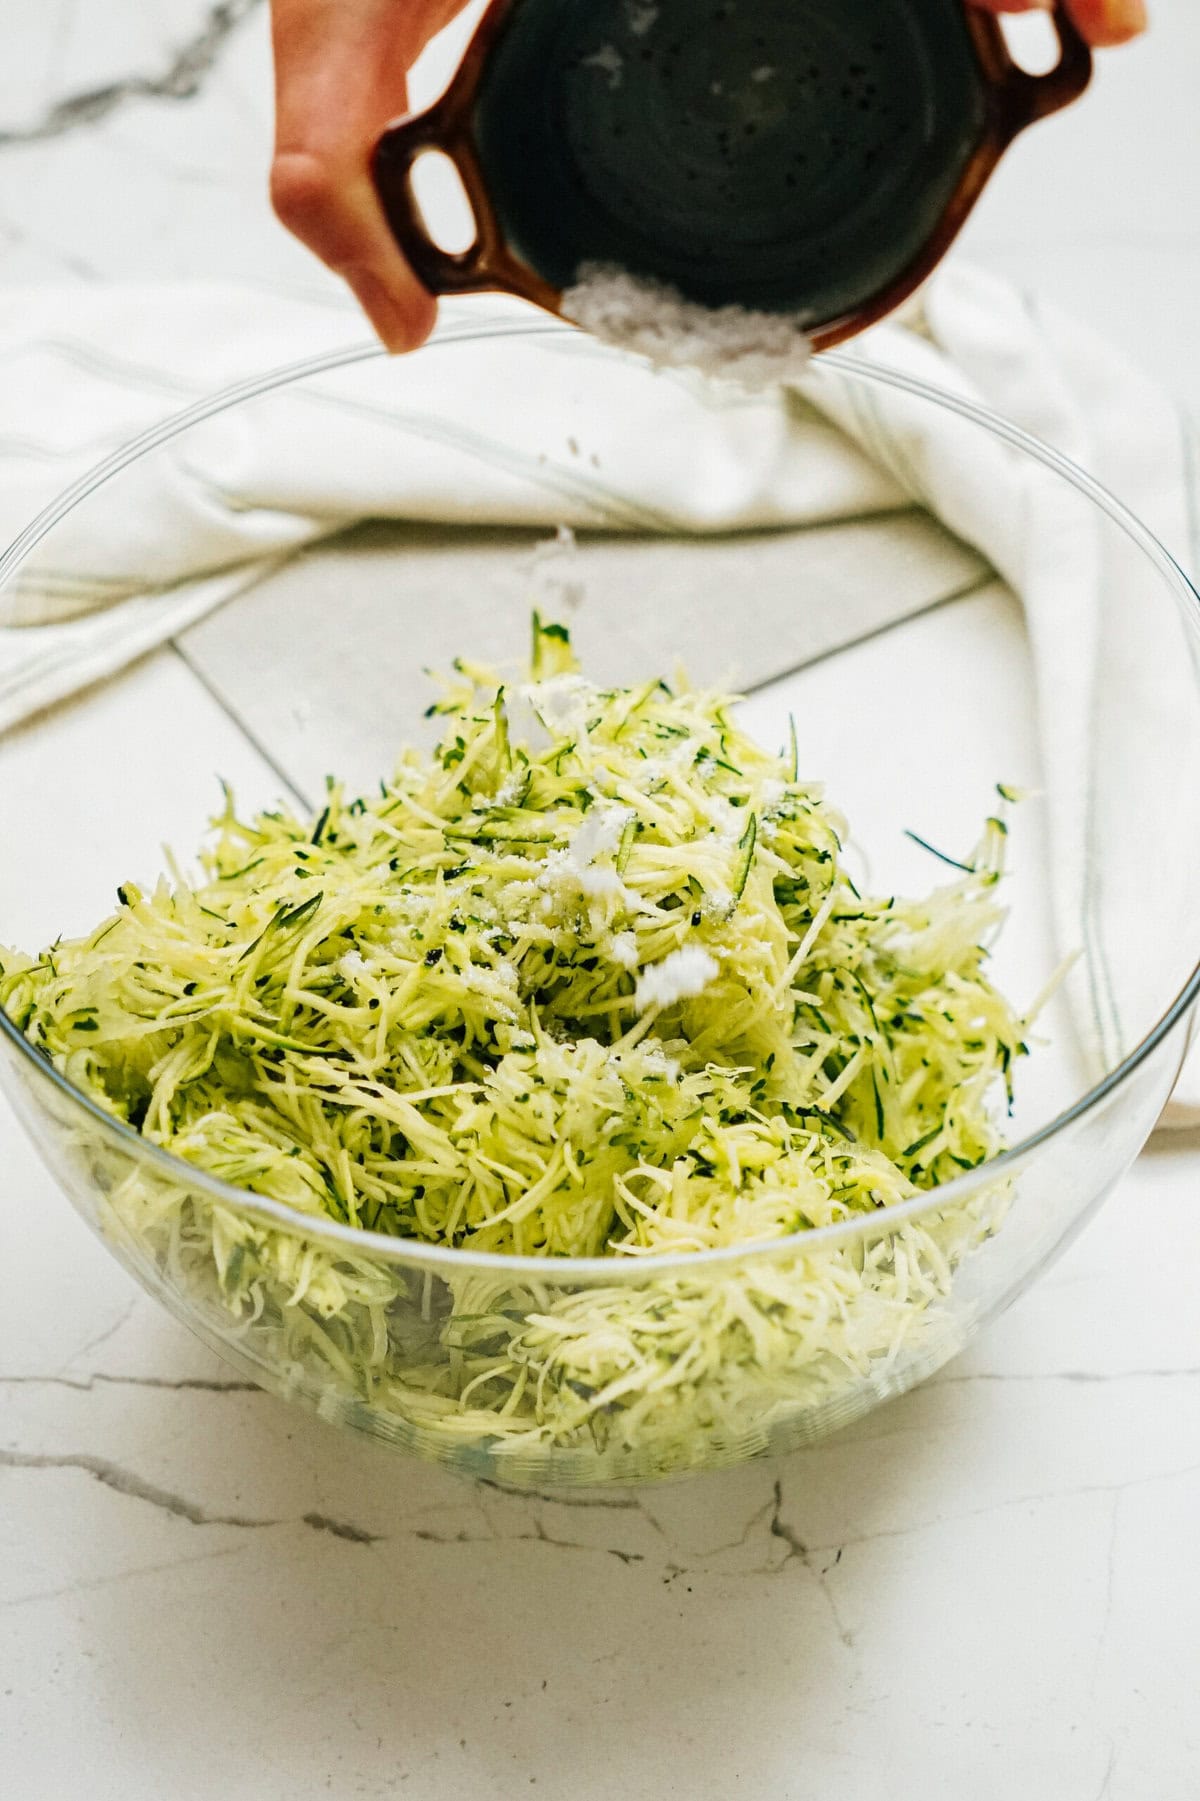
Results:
599 834
509 791
734 343
560 702
624 950
679 977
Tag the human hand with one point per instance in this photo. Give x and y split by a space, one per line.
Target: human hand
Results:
341 75
341 69
1102 22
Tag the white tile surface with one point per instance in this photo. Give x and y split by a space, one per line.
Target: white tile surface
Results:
997 1593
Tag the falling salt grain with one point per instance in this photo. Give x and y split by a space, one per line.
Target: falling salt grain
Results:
557 584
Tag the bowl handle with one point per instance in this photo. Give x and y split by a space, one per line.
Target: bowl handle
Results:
441 271
487 265
1025 98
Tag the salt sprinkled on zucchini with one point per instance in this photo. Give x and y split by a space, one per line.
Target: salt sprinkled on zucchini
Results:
597 985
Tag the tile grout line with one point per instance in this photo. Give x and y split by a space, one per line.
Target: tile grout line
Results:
967 591
252 739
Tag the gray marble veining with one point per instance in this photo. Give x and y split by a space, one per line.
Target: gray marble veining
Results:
181 77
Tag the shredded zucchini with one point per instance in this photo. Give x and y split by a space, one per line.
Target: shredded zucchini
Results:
591 980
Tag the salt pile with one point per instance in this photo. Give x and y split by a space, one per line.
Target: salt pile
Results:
732 343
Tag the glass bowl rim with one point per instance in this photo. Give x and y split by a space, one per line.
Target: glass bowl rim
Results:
448 1260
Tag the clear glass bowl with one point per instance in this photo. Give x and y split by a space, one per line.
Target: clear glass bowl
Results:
318 662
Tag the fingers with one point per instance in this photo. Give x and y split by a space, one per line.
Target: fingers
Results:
1108 22
340 76
1102 22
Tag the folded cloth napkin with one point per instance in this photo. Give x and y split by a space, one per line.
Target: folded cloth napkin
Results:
85 370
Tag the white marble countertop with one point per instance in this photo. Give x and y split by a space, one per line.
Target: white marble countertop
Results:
990 1588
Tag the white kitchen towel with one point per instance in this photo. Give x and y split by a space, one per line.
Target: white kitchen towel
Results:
84 370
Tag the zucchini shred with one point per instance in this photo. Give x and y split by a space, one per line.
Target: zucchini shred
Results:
591 980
